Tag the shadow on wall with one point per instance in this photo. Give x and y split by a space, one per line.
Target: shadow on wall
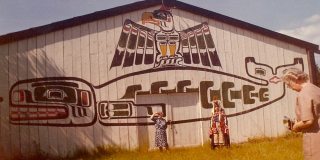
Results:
50 55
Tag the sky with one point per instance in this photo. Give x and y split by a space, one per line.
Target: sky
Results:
296 18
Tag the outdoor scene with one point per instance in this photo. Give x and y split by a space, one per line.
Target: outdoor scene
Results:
159 79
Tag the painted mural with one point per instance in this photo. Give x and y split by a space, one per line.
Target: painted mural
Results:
98 83
72 101
62 98
166 47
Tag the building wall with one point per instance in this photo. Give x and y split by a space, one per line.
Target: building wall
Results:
118 96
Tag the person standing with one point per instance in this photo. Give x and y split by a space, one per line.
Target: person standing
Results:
218 129
161 135
307 111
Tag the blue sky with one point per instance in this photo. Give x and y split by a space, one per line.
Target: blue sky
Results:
300 19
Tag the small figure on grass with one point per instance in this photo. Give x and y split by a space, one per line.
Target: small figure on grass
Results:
161 135
219 132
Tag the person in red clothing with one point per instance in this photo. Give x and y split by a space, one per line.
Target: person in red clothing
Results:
218 127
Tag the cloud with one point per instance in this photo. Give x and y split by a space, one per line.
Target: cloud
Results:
312 19
309 30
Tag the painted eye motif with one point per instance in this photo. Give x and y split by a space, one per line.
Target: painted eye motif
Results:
161 15
260 71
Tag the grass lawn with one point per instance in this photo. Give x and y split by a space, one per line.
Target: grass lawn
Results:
288 147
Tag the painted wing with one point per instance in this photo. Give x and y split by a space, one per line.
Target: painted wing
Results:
135 46
197 46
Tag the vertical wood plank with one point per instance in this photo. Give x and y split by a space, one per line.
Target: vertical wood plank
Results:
5 139
112 42
94 75
205 113
13 77
145 79
41 72
295 52
58 53
217 81
282 49
149 79
144 133
107 130
247 117
263 51
77 134
153 77
32 73
133 130
183 24
278 88
203 76
67 70
68 53
51 70
283 103
151 128
59 61
85 73
289 110
241 72
23 74
223 45
232 57
76 52
204 126
258 52
178 135
195 105
103 68
255 123
193 76
123 130
184 109
125 140
269 56
230 49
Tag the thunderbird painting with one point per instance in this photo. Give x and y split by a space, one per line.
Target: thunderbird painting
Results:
165 47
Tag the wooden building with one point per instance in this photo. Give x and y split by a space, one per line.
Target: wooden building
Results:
96 79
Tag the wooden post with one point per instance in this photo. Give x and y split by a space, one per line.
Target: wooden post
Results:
312 66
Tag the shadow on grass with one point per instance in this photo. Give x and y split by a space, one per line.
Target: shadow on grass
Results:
288 136
254 148
98 152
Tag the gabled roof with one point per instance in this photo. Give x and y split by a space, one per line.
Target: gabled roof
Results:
32 32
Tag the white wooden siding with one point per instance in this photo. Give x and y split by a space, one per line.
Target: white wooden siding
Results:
86 52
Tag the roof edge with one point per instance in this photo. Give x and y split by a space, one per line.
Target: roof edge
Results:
55 26
244 25
36 31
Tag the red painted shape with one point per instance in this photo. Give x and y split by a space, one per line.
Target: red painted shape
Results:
275 80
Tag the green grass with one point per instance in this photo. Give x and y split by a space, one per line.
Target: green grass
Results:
286 147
